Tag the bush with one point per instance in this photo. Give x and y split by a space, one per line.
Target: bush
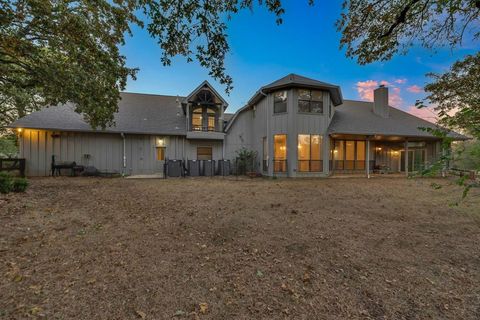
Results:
19 185
6 182
9 183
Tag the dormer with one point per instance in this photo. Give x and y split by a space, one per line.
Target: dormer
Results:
204 109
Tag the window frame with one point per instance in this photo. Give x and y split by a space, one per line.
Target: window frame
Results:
275 102
163 153
310 101
205 147
311 156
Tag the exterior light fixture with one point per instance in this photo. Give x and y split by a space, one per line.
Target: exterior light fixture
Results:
19 130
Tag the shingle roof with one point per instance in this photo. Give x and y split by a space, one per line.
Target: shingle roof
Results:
357 117
137 113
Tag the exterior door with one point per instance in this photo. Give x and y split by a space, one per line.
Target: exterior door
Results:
160 153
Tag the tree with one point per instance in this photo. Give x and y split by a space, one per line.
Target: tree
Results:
376 30
52 52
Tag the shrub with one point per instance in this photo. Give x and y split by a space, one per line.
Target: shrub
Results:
6 182
19 185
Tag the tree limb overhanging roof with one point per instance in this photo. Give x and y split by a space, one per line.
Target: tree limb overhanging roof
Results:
137 113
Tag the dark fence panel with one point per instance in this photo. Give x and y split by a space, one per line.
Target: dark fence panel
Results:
12 164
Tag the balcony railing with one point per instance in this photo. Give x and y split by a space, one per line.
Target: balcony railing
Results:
279 165
203 128
310 165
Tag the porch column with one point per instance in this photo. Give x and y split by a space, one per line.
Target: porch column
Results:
406 157
367 165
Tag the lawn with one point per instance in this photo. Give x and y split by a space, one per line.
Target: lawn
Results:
384 248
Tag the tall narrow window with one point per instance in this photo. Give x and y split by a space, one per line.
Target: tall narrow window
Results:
160 153
349 155
265 154
280 153
211 119
310 153
280 102
360 161
316 162
310 101
338 154
197 119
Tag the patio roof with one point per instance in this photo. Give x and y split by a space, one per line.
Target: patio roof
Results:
357 118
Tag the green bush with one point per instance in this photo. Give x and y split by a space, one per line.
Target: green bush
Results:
6 182
19 185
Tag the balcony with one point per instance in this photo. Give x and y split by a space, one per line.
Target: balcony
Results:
205 132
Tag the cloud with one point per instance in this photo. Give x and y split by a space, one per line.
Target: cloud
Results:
415 89
401 81
365 91
427 113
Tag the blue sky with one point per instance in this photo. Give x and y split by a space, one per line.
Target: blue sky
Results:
307 43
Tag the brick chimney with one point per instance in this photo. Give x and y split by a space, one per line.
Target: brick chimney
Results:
380 102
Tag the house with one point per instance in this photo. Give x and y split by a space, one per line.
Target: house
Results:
299 127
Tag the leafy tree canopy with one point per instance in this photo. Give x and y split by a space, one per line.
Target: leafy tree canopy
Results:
376 30
57 51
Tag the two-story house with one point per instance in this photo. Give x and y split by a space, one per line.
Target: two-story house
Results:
299 127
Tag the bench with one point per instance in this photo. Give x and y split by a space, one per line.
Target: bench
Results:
56 167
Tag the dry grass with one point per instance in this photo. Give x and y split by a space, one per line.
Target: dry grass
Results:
79 248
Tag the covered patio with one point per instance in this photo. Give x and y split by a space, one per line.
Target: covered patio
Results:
366 155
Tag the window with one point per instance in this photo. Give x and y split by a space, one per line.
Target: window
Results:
310 153
310 101
280 102
265 154
197 119
349 155
280 153
160 153
204 153
211 119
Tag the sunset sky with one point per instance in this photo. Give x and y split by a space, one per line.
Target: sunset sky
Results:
307 43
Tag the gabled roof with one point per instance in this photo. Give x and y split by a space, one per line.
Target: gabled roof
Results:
200 87
357 117
137 113
295 80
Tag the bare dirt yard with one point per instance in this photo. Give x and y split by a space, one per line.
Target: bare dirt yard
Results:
384 248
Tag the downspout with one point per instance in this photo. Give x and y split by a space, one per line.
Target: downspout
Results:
267 133
124 155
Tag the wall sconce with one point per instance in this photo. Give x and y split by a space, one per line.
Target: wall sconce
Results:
378 149
335 151
160 142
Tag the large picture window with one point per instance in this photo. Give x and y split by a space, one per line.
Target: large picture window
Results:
310 153
310 101
280 153
280 102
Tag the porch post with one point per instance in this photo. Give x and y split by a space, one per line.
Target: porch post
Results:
367 165
406 157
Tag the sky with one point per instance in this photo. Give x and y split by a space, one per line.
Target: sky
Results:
307 44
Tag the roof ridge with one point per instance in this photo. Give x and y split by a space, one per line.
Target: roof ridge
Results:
153 94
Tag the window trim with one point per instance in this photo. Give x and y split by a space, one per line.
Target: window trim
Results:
311 135
205 147
286 102
310 102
